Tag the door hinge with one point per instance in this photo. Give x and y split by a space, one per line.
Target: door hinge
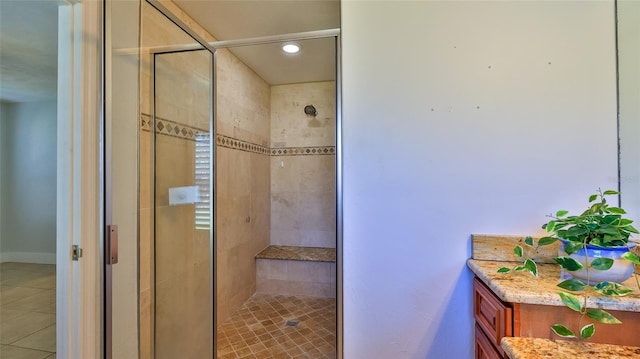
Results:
76 252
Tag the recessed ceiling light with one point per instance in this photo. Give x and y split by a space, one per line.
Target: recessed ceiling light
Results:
291 48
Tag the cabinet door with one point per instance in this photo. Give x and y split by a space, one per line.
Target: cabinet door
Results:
484 348
491 314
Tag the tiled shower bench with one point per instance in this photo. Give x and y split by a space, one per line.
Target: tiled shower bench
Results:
290 270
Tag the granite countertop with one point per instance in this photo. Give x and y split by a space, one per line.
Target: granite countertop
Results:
522 287
536 348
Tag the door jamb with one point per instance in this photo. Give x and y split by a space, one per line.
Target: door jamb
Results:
79 184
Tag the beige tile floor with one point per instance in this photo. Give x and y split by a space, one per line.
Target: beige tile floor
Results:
27 311
258 329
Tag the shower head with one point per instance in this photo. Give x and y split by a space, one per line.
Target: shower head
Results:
310 110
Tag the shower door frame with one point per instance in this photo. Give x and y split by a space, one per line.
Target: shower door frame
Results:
212 156
202 45
212 47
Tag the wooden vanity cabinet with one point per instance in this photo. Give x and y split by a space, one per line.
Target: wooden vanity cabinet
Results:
484 348
494 320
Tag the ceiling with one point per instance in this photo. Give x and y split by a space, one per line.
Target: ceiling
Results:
28 50
240 19
28 40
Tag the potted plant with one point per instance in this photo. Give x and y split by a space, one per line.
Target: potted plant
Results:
594 256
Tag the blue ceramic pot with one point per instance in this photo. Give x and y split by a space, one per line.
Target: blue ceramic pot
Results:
621 270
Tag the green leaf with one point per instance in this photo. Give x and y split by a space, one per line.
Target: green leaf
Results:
611 240
531 266
602 316
571 301
561 213
631 257
616 210
608 229
576 231
595 208
572 247
551 226
587 331
545 241
631 229
504 270
528 240
624 222
611 219
518 251
612 289
596 242
609 191
562 331
593 197
519 268
573 285
568 263
602 263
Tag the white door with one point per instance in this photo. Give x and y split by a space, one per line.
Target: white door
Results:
78 180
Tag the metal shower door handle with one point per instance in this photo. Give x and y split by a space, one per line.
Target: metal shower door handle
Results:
112 244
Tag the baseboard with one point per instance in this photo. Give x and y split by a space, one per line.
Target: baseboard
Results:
28 257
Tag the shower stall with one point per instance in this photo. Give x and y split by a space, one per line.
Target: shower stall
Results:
233 253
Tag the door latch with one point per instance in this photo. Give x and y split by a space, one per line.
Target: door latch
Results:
76 252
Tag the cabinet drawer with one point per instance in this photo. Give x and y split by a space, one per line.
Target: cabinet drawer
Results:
491 314
484 348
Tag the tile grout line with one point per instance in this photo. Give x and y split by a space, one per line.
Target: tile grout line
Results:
27 348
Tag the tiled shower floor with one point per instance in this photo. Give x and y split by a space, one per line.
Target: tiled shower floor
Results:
259 328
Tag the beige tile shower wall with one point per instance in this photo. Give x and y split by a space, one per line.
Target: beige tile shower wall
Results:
243 182
303 201
303 186
242 226
312 279
183 91
291 127
182 277
243 100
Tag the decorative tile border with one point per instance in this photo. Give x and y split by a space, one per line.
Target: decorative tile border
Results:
170 128
174 129
236 144
303 151
145 122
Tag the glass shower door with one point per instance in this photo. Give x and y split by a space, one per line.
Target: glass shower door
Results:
158 168
183 274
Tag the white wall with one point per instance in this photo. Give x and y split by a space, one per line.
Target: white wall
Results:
461 118
629 82
28 197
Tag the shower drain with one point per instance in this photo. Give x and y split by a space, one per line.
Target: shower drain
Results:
292 323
